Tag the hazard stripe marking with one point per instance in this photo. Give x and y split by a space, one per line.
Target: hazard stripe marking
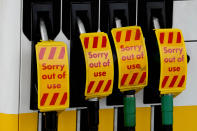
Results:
86 42
170 37
62 53
142 78
107 86
178 37
161 38
181 81
118 36
165 81
99 86
104 41
173 81
95 42
124 79
133 78
44 98
42 52
64 98
138 34
52 53
128 35
90 86
53 100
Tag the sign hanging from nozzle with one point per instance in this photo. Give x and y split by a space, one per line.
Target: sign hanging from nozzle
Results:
53 74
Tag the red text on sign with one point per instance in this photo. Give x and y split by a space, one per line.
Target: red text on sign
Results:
174 59
52 67
53 86
166 60
98 55
134 66
174 69
133 56
131 48
173 50
51 76
97 74
99 64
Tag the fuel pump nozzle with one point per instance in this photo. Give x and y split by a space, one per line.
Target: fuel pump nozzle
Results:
43 31
166 99
93 103
128 101
47 120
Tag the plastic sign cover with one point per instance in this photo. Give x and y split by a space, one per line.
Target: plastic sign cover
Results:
99 64
132 58
53 76
173 59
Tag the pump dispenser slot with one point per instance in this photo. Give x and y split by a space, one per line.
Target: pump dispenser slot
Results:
83 16
119 10
72 9
40 11
48 10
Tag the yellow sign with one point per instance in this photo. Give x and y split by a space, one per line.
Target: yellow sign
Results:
53 76
132 58
173 59
99 64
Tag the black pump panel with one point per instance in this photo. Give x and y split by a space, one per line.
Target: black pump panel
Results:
41 11
86 10
83 12
118 10
122 9
161 9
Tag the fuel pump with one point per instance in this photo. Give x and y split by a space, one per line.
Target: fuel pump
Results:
173 59
168 68
76 12
53 78
128 69
49 63
99 71
132 67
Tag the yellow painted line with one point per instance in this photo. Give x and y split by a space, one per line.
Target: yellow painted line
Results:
184 120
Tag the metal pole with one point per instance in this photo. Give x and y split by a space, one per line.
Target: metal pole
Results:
78 119
39 121
152 117
166 100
